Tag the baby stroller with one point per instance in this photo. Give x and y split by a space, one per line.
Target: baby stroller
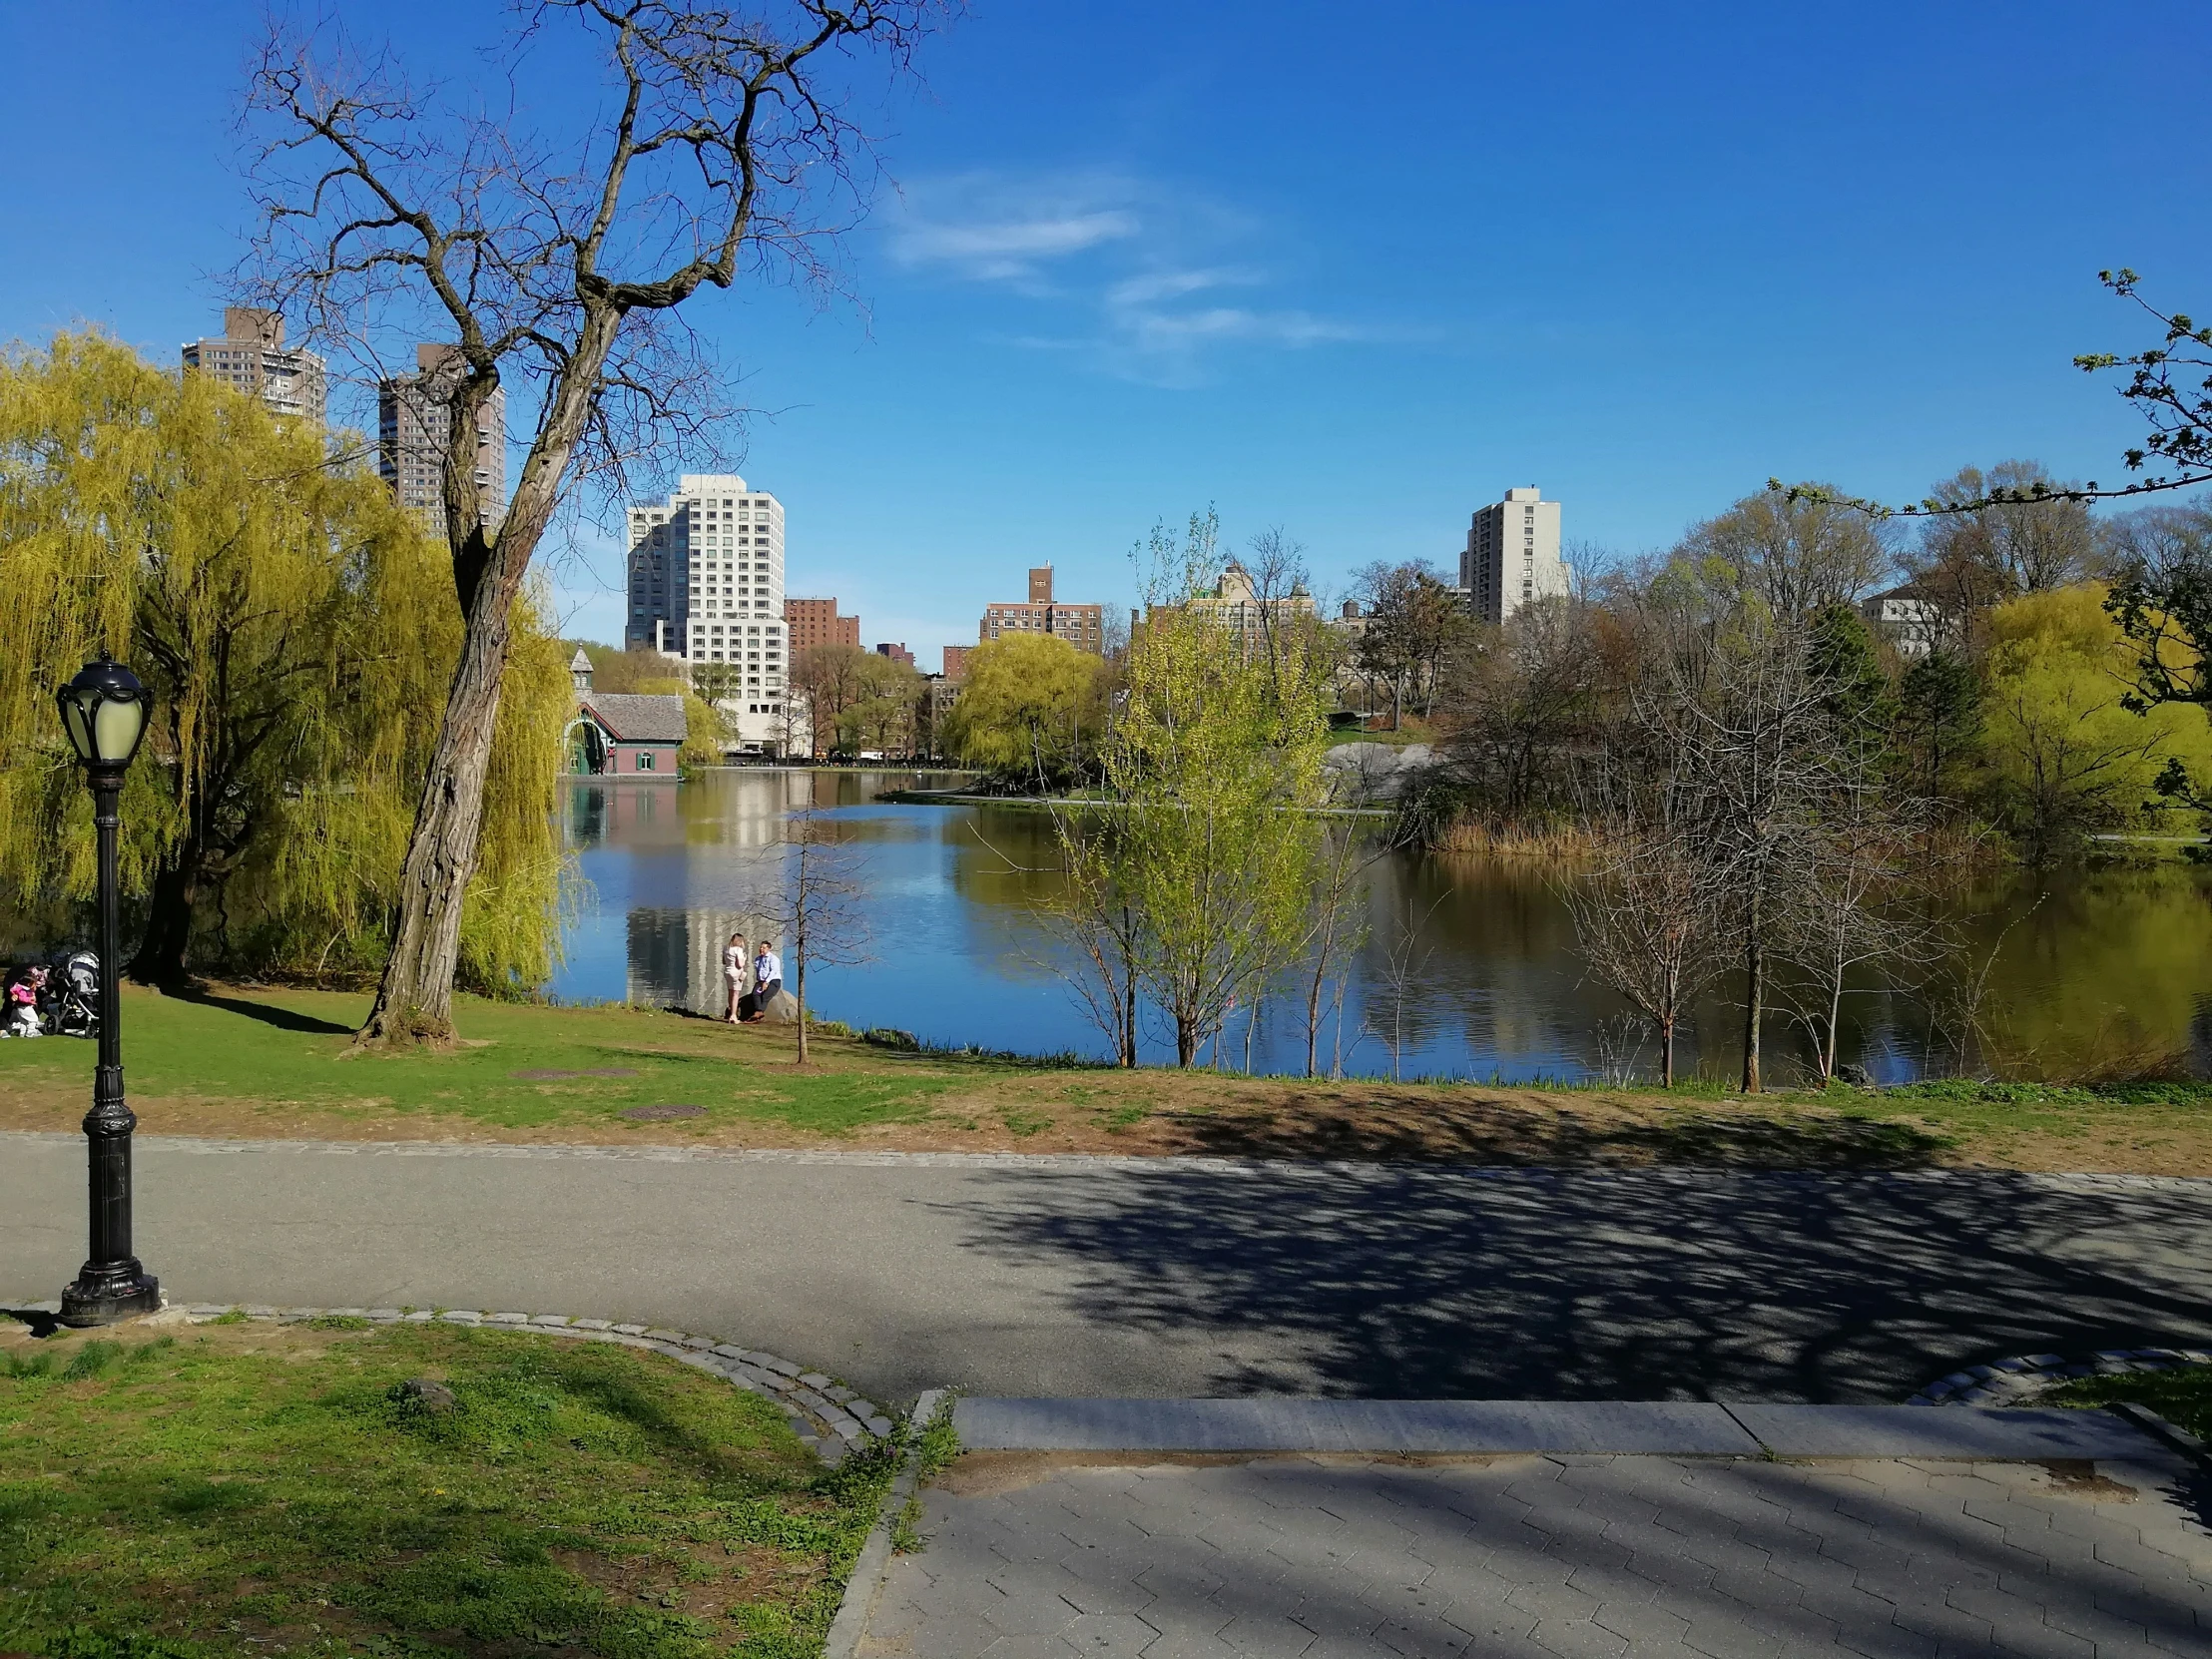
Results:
72 1006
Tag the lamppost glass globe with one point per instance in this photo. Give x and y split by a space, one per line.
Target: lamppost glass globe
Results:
104 713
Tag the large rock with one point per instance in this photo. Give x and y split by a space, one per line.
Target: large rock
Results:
781 1010
1376 771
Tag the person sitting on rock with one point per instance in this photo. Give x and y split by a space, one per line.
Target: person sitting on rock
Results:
767 982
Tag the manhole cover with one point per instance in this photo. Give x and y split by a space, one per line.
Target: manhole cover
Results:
663 1112
596 1071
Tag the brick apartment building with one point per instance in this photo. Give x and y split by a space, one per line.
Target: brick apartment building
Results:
1082 626
813 622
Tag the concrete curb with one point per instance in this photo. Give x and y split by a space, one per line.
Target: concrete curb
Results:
875 1559
2167 1430
835 1420
1260 1427
2004 1382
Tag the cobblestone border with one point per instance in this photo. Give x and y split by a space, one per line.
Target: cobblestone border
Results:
835 1420
2010 1381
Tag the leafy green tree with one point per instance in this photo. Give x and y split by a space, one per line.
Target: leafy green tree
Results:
1214 778
294 625
1939 725
2070 751
1032 710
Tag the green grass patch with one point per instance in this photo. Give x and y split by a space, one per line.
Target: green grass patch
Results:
241 1492
519 1066
2182 1395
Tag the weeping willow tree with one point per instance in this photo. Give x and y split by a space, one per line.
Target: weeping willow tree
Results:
298 632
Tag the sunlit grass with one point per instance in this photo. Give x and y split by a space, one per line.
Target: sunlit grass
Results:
223 1490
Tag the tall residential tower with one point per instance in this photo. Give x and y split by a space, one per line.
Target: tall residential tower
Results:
253 358
707 585
1512 555
410 439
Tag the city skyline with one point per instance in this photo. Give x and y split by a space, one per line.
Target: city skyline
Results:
1108 294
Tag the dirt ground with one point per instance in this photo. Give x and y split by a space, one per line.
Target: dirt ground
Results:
1160 1114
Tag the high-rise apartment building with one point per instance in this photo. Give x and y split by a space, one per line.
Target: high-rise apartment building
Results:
707 585
955 661
412 418
251 355
1082 626
1512 555
897 653
816 622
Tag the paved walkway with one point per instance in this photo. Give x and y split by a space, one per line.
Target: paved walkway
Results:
1070 1275
1044 1555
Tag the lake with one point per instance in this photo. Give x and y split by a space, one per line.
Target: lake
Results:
2084 973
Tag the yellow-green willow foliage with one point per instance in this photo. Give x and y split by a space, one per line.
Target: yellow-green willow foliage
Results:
1214 765
298 630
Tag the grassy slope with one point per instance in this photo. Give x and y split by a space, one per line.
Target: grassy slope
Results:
2182 1395
233 1489
264 1064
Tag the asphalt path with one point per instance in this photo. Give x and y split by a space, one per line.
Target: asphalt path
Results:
1174 1277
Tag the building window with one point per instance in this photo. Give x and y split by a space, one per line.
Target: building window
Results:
645 760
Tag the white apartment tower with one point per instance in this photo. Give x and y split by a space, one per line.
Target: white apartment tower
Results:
251 355
1512 555
706 584
410 439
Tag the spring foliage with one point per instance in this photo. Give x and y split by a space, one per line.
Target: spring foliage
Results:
298 632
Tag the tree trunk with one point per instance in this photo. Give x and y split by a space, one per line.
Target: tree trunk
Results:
1755 976
161 952
1186 1040
415 999
1128 999
1834 1016
1666 1052
798 996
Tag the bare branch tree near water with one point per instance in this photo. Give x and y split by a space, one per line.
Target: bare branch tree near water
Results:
818 903
559 263
1649 920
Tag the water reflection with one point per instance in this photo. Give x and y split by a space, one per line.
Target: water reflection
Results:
2096 970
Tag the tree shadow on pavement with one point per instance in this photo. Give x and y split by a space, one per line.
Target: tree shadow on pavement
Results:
1566 1132
1406 1283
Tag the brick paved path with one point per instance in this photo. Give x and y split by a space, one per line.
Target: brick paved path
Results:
1552 1557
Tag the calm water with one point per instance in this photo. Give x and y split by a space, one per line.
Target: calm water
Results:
2089 970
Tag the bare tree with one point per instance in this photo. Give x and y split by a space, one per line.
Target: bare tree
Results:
1334 936
561 263
1751 720
1853 911
1794 553
1096 913
2024 537
817 903
1275 565
1403 967
1649 919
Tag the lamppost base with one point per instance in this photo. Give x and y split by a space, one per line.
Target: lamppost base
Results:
110 1297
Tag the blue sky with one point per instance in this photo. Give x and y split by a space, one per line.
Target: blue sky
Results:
1349 270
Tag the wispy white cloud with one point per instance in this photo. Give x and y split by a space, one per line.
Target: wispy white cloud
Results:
996 230
1131 259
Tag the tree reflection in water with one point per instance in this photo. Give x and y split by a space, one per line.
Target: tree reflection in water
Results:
2110 972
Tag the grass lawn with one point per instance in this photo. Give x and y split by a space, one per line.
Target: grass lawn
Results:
249 1489
279 1063
2182 1395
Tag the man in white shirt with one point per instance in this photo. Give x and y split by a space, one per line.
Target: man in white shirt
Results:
768 981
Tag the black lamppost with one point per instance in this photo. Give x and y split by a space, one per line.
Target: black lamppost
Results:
104 713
